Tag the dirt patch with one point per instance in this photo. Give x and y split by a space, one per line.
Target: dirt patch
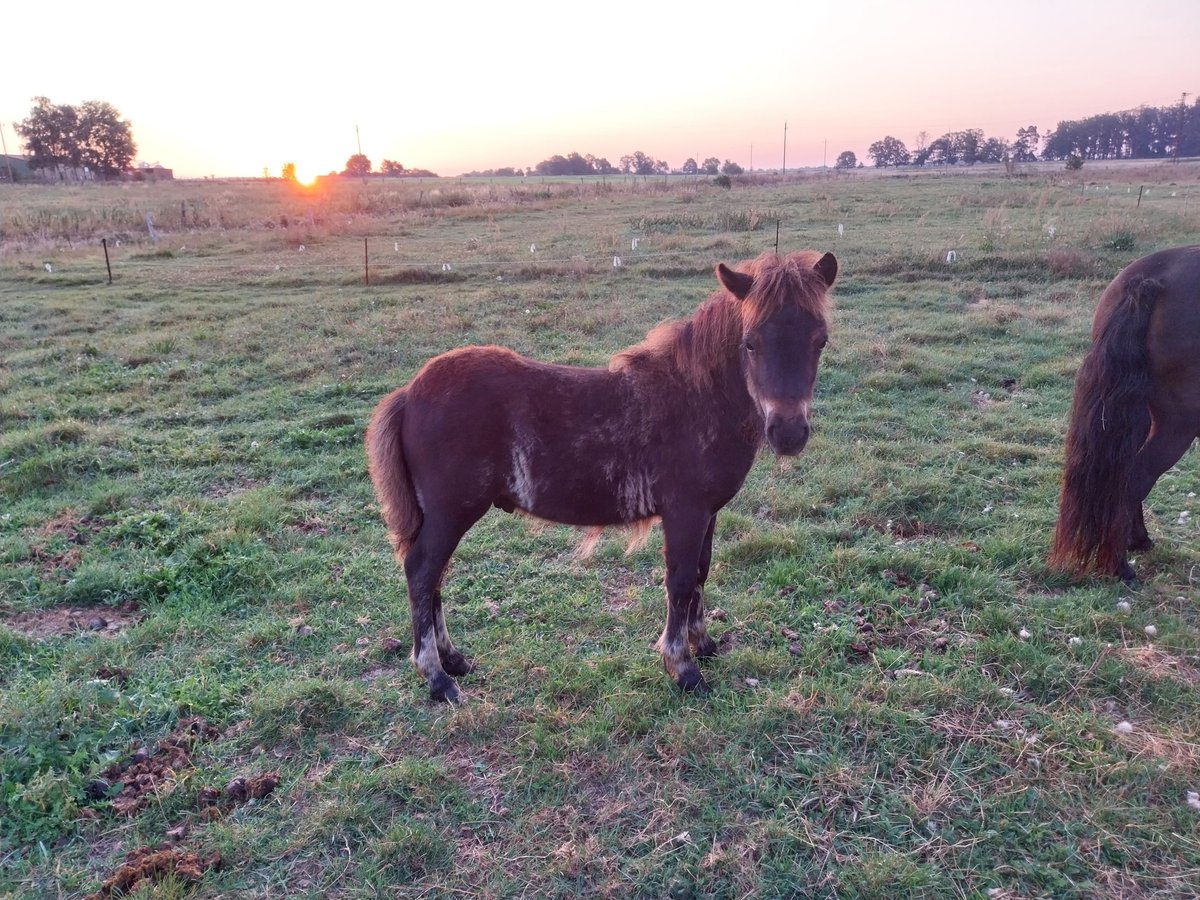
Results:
53 561
221 489
154 864
65 621
1159 664
143 773
904 528
621 587
69 524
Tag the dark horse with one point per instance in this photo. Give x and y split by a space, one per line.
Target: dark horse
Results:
667 431
1136 410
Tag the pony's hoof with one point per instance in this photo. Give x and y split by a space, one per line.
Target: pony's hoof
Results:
692 682
457 664
705 647
1126 573
444 690
1142 544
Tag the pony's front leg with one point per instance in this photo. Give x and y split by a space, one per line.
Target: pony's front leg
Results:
701 643
683 539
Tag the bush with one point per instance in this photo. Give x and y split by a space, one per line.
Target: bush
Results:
1074 162
723 181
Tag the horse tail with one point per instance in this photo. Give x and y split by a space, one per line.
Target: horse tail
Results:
389 471
1110 420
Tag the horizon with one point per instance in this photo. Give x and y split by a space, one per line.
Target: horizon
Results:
537 86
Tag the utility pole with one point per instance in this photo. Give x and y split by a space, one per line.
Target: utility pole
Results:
4 144
785 147
1179 130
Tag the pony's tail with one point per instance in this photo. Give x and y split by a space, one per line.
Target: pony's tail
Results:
389 472
1110 420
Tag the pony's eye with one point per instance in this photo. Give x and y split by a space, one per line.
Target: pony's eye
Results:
749 345
823 342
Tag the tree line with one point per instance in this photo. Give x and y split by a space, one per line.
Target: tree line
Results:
636 163
1143 133
91 137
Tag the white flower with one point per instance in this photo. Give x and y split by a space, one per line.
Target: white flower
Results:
1151 631
1123 607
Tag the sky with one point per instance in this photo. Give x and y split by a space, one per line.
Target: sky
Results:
230 89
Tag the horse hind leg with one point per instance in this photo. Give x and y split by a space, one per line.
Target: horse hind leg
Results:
1169 440
424 566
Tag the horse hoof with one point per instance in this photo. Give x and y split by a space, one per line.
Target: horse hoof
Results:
705 647
1126 573
457 664
444 690
692 682
1141 545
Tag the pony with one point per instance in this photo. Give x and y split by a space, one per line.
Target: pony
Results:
1135 412
666 432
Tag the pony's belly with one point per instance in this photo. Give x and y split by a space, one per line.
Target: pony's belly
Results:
571 495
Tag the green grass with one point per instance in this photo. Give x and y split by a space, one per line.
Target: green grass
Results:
911 703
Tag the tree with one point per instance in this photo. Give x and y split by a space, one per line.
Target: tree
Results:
689 167
637 163
49 134
711 166
942 151
358 164
600 165
731 168
889 152
846 160
1024 148
993 150
288 173
105 140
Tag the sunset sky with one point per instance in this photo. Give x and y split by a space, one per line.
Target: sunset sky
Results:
229 89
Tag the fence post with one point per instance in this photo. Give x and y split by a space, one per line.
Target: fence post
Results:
107 264
366 264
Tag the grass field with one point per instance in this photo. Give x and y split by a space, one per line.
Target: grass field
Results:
195 585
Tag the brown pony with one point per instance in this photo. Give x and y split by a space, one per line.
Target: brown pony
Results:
667 431
1136 410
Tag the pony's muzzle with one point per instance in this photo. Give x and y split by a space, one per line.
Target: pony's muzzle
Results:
787 435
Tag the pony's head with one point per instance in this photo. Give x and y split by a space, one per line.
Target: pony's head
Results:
783 311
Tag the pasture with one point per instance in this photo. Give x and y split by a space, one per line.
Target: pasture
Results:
908 701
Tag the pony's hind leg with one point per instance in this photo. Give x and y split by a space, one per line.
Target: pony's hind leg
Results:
424 565
1170 437
702 645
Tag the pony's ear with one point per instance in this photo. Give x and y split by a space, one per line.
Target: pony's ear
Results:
827 268
736 283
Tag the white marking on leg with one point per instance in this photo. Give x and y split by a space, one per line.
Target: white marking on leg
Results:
427 661
444 644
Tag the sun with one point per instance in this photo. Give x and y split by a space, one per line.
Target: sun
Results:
305 176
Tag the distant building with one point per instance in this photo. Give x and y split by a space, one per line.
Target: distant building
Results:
19 166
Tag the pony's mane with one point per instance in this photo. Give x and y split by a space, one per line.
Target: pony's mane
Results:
697 347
